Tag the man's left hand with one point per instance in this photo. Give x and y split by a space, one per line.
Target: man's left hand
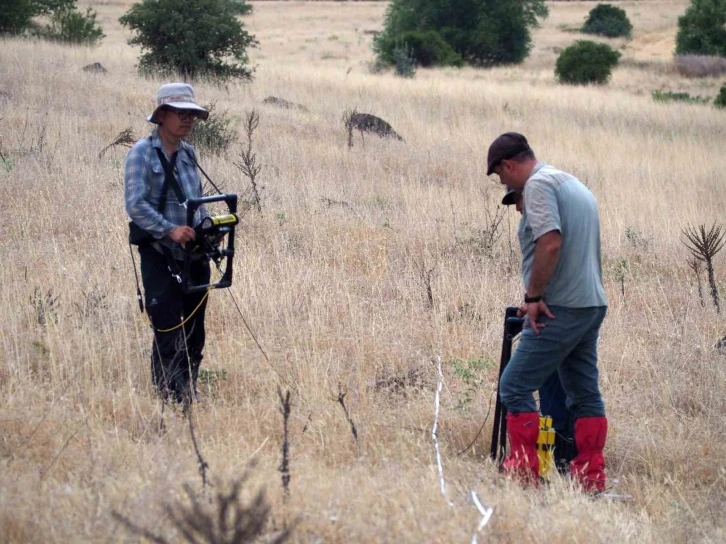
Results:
533 310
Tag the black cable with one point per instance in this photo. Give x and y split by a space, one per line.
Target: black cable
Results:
203 172
480 428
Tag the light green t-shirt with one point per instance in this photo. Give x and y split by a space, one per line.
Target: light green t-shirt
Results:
555 200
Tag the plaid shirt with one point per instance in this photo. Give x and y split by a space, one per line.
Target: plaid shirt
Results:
143 182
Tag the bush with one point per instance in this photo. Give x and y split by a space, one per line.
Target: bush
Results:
667 96
702 29
193 38
586 62
427 49
241 7
15 16
403 61
607 20
216 134
479 32
71 26
720 101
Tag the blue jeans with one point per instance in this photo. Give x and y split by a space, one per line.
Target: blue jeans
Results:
568 344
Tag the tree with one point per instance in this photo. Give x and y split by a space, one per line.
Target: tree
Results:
193 38
586 62
607 20
481 32
702 29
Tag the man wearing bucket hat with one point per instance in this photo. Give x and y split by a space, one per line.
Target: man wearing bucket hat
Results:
160 174
564 307
552 397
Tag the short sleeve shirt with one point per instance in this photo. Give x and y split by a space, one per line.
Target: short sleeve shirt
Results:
557 201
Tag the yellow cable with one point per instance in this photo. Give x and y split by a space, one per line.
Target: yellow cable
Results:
175 327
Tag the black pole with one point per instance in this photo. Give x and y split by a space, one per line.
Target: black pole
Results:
512 327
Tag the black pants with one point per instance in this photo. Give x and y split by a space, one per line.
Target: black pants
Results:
177 354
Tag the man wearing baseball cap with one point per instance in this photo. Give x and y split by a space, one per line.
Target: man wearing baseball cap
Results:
160 175
564 307
552 397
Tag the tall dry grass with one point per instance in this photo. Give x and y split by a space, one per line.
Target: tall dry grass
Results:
330 278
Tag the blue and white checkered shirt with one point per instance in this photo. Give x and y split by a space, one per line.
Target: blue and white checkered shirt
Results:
143 182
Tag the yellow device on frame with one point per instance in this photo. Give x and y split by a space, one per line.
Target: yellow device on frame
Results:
546 447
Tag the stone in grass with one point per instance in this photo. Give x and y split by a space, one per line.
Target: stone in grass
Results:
282 103
95 68
365 122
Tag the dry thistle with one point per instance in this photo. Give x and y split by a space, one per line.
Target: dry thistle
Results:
697 267
125 138
704 245
248 163
228 521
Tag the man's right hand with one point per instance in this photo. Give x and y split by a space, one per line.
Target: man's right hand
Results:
182 235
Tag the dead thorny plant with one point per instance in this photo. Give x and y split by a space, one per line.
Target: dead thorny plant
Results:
704 245
284 468
248 159
229 520
341 400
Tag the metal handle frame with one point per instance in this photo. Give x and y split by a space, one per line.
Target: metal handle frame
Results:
193 205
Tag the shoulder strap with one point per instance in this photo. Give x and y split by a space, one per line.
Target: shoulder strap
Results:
169 177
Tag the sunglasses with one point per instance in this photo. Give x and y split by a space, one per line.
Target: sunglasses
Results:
185 115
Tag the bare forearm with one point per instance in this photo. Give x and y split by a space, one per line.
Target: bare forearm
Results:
545 261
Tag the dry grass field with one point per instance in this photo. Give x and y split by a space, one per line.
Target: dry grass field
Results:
332 278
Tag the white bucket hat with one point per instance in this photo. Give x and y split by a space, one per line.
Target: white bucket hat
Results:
179 96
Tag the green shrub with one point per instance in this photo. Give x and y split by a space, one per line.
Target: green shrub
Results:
16 16
71 26
193 38
428 48
720 100
586 62
403 61
480 32
702 29
608 20
667 96
216 134
241 7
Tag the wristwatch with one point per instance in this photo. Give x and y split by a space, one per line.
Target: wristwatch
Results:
527 299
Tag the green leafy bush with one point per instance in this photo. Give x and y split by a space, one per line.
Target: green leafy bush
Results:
67 24
479 32
194 38
720 101
71 26
241 7
607 20
216 134
428 48
667 96
403 61
15 16
702 29
586 62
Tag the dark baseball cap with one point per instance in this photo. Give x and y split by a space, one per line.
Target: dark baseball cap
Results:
505 147
510 197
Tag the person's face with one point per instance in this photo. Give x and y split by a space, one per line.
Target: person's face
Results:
509 174
178 123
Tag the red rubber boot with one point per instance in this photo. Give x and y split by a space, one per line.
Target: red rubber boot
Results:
522 464
588 468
